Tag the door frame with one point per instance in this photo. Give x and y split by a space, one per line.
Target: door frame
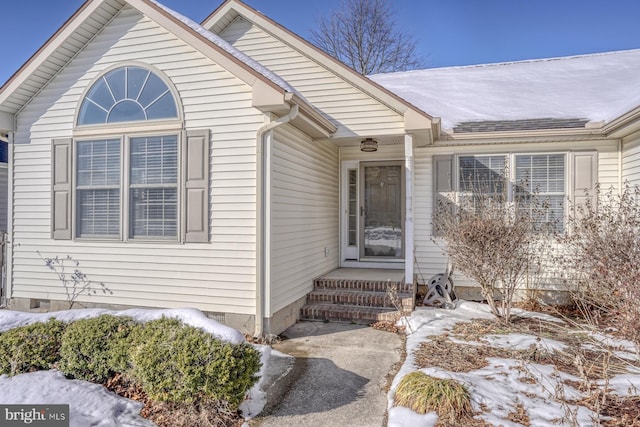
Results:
350 256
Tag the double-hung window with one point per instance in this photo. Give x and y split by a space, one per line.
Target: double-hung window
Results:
124 178
153 187
98 188
481 177
538 184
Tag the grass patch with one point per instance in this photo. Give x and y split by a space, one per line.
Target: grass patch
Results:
423 393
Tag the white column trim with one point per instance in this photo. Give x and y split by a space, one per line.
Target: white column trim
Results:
408 217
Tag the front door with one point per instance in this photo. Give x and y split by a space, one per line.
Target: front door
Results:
381 211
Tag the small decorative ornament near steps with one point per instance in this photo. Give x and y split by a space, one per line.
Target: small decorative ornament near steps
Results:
440 290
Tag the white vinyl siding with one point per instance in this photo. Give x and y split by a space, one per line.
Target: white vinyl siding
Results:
304 218
217 276
350 109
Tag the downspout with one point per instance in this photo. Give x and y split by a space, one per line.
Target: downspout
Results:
263 213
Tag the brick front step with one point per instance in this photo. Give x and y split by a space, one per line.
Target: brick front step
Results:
358 298
348 313
362 285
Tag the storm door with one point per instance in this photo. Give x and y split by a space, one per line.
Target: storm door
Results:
381 211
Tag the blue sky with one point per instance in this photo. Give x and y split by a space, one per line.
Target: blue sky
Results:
448 32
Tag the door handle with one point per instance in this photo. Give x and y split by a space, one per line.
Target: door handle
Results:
361 210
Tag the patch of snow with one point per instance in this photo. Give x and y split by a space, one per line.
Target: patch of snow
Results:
403 417
618 343
623 355
89 404
257 396
523 342
12 319
624 385
593 87
536 315
498 389
505 384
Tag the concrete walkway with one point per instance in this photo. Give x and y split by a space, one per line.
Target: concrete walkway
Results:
338 377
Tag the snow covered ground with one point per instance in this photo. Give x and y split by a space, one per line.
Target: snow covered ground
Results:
500 388
92 404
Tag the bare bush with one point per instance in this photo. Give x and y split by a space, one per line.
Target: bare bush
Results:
73 280
601 259
495 239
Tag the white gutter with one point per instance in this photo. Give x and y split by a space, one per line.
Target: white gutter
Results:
263 214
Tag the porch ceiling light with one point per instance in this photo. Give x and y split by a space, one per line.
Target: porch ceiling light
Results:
369 145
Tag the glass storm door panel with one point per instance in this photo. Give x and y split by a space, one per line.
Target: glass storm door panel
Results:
382 210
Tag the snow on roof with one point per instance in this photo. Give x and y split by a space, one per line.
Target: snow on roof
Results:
223 44
597 87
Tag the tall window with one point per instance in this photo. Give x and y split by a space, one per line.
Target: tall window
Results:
541 176
154 186
353 207
480 176
98 188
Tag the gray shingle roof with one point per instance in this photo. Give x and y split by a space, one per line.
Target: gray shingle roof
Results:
516 125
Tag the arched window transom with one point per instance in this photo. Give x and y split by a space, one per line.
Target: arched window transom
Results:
127 94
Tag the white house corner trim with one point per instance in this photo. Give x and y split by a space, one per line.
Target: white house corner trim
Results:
409 223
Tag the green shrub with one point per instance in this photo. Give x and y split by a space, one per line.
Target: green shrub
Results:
30 348
423 393
177 363
94 349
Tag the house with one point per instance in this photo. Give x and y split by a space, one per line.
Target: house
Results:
229 164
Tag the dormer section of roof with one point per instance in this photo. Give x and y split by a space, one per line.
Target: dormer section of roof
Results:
356 105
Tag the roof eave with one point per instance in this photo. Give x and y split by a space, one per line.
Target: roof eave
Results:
623 125
529 135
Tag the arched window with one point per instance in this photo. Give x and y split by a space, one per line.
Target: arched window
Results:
111 181
127 94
